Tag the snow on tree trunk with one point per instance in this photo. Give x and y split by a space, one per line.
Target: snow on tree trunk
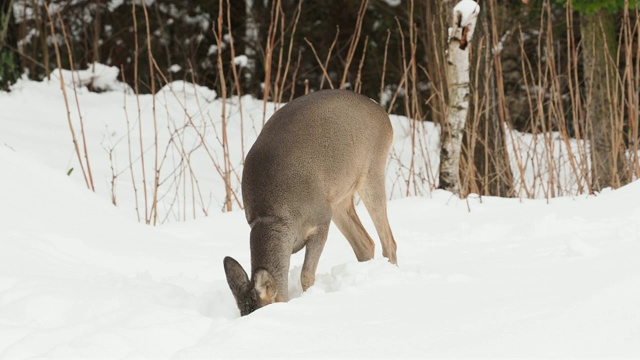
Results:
465 14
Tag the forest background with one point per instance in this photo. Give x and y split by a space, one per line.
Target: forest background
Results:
564 71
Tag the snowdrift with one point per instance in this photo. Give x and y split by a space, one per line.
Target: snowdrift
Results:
482 277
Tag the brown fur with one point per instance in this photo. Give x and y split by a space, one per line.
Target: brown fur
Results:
310 159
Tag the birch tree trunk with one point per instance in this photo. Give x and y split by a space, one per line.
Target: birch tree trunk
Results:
465 14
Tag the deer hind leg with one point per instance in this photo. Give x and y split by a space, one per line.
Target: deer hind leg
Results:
348 222
372 193
314 244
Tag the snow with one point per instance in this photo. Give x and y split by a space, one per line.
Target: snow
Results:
467 10
114 4
241 60
465 14
393 3
101 77
480 277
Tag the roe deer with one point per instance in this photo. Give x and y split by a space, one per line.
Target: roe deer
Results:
302 172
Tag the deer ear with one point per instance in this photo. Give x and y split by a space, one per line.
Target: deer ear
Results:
265 286
236 277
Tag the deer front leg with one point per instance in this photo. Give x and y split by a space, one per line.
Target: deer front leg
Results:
314 246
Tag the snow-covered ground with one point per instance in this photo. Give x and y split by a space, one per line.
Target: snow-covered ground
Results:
80 277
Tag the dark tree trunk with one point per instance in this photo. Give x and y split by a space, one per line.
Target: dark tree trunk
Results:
9 62
605 131
488 170
434 39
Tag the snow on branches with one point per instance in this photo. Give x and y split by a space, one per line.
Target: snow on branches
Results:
465 14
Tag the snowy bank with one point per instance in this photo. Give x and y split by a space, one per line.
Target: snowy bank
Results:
490 277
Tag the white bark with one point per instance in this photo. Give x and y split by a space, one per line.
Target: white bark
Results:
465 14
